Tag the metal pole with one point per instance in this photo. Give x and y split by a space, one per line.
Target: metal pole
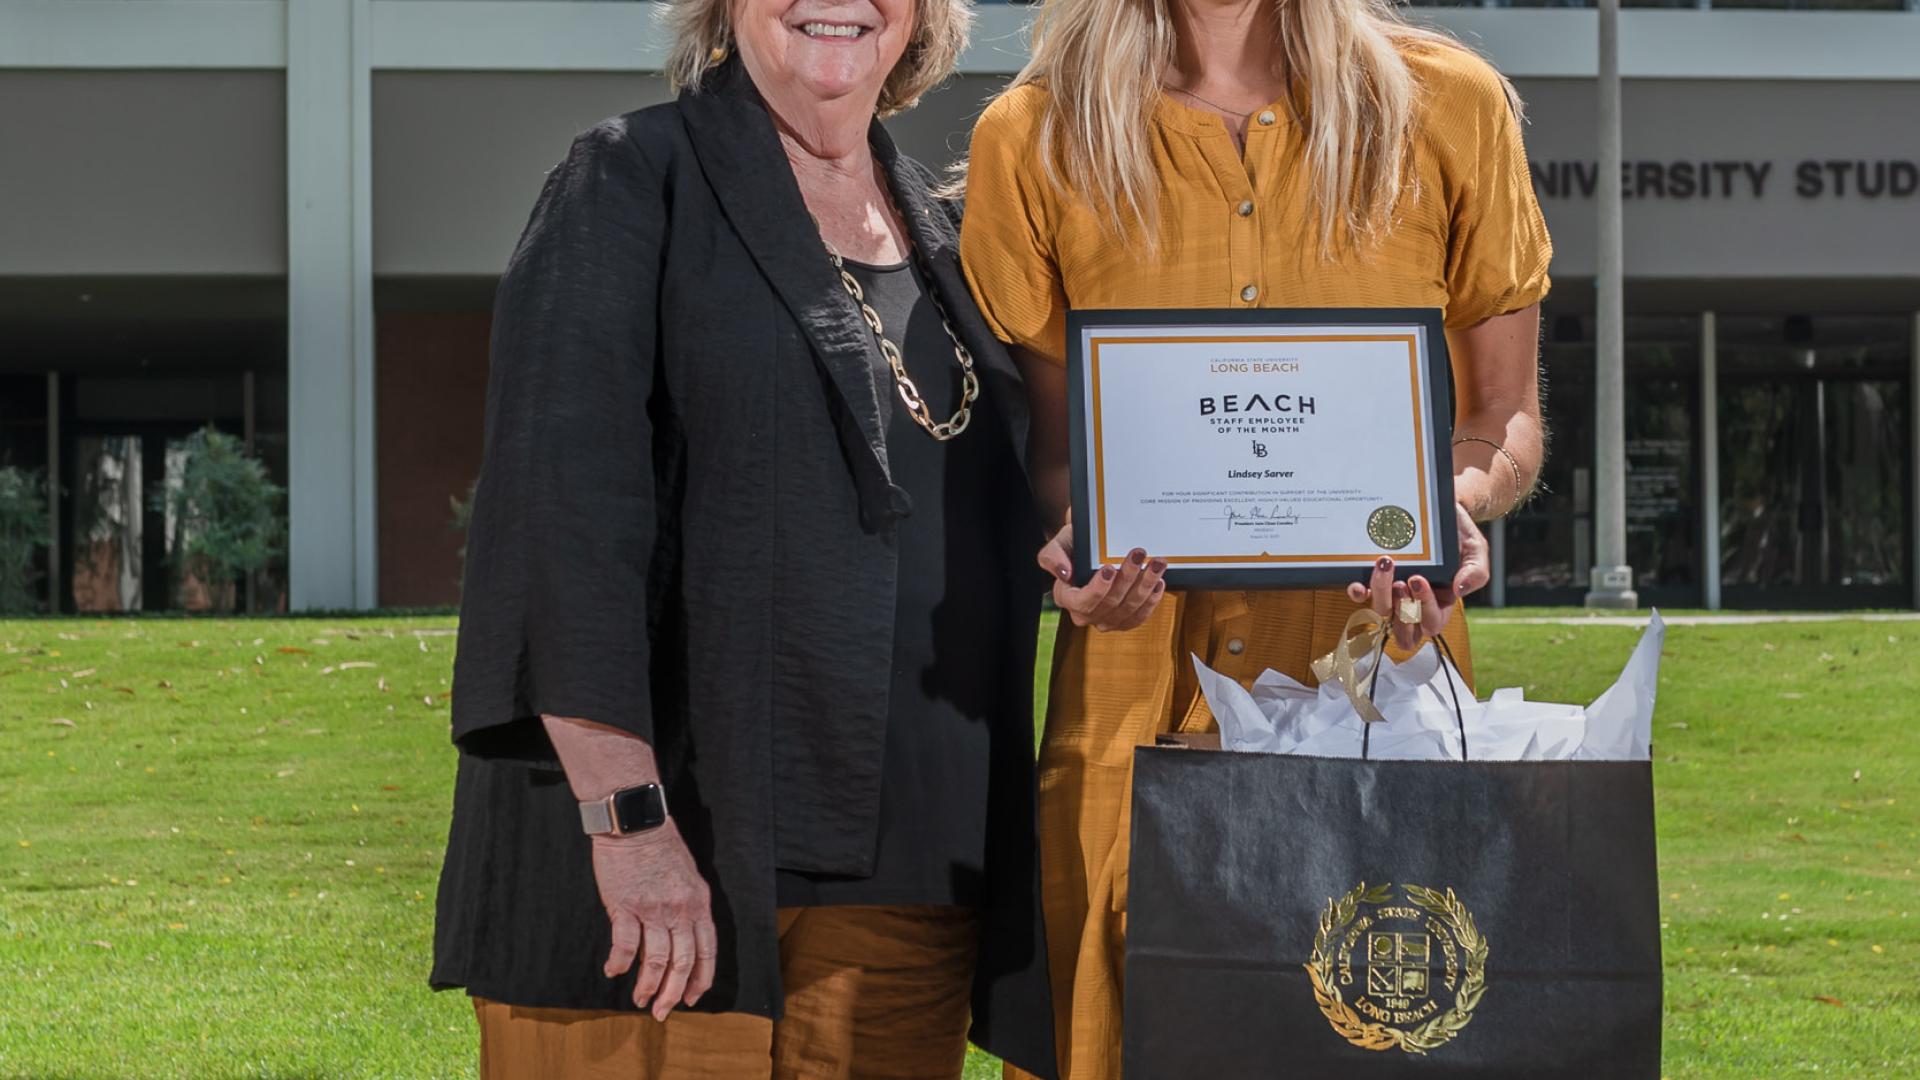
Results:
1497 540
1913 457
1710 460
249 583
1611 582
53 493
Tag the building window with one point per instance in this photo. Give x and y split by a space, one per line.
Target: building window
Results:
1549 543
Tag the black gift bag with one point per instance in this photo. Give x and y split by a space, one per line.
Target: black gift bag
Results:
1320 917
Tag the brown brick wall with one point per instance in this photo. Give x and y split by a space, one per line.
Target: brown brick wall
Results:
431 385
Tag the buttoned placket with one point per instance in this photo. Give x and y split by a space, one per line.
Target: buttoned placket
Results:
1220 629
1220 625
1240 183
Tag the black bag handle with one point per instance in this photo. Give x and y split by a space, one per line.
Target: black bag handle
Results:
1445 652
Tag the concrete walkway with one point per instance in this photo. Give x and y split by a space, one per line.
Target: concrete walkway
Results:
1717 619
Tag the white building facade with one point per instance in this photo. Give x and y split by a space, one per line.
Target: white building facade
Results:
286 217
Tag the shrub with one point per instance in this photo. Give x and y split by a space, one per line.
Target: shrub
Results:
23 531
226 513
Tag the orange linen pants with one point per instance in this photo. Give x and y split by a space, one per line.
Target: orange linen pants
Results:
872 992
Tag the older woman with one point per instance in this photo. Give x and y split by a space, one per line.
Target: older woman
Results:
743 696
1237 154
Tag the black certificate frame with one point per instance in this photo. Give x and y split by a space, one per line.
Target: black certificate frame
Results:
1438 437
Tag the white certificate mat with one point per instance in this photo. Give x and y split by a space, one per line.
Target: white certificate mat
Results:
1261 448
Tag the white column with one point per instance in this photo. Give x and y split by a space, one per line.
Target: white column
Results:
54 568
1710 461
330 305
1611 583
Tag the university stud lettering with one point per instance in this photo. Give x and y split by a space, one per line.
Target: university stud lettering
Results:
1811 178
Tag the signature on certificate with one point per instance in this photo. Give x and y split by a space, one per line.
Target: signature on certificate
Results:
1249 516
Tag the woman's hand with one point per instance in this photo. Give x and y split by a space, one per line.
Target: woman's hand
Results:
658 905
1118 598
1384 594
661 912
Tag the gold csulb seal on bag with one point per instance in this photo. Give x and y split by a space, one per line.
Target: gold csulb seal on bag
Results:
1402 972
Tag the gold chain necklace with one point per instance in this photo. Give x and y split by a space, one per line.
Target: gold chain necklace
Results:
1214 105
902 382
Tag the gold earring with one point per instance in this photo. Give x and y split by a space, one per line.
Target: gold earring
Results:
716 54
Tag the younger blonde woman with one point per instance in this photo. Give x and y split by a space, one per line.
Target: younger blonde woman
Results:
1236 154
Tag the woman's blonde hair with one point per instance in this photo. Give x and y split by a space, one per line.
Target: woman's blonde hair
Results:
1103 63
703 35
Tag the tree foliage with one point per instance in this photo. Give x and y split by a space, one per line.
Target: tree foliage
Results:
23 531
226 510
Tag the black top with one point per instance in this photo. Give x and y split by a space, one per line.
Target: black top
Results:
687 527
946 677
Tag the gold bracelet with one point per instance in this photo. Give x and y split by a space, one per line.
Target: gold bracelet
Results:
1518 494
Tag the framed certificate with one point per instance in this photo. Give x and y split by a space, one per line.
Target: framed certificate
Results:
1262 448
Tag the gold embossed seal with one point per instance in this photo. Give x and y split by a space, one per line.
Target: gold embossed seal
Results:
1390 527
1397 972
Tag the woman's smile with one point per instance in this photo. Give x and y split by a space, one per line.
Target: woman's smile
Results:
834 32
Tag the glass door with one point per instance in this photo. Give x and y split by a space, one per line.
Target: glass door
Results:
1815 439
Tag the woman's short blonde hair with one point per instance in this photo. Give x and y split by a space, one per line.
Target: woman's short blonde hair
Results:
703 36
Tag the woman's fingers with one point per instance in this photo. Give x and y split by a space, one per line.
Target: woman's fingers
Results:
1056 558
1434 611
657 949
706 955
1475 559
1405 635
679 969
1474 570
1080 602
626 943
1377 591
1140 601
1381 587
1118 597
1150 600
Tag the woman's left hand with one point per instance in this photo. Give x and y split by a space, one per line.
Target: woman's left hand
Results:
1384 594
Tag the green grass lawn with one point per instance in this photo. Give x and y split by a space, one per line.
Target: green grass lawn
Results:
219 840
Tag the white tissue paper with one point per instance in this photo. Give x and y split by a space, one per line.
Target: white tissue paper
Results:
1281 716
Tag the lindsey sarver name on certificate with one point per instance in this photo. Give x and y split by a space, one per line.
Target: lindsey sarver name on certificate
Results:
1263 447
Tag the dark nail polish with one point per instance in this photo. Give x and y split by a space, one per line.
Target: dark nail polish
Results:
1384 563
1137 557
1107 573
1158 566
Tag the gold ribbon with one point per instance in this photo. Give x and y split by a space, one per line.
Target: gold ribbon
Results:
1338 665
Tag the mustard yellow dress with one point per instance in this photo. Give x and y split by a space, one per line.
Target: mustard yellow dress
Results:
1234 231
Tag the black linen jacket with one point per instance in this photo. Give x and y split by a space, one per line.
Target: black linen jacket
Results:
684 528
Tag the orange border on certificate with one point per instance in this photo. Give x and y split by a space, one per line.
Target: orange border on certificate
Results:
1098 481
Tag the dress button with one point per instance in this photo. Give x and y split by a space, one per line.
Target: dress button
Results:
1249 293
1236 646
1245 209
1265 118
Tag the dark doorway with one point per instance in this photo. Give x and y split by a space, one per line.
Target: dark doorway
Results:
1815 451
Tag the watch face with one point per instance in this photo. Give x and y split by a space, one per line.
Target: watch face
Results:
639 809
